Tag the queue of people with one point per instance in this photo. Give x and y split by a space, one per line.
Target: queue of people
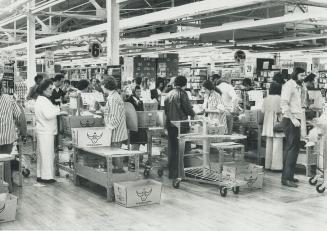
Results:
283 105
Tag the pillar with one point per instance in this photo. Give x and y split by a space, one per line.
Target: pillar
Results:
31 61
112 32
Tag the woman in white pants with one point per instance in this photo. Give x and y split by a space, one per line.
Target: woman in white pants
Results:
274 140
46 129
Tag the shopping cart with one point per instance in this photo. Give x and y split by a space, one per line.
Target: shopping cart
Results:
318 180
204 173
26 154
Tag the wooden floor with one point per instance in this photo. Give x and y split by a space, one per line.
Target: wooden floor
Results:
62 206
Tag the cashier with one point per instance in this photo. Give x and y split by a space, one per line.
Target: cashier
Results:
177 107
139 137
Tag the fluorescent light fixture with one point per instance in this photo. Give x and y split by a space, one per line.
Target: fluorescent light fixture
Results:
191 9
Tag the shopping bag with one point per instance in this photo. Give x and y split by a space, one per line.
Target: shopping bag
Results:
131 117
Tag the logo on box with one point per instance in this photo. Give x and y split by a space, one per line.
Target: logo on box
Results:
94 138
144 194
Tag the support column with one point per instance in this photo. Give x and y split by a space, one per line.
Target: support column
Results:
31 61
112 32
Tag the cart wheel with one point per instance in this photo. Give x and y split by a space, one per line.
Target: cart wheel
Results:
160 172
320 189
146 172
223 191
236 189
313 181
26 172
176 183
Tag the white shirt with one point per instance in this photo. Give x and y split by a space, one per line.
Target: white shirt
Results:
291 100
46 116
228 96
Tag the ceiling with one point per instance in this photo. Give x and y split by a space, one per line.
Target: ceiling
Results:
152 26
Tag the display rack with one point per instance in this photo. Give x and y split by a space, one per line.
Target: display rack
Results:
198 75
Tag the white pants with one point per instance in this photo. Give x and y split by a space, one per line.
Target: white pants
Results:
274 153
45 156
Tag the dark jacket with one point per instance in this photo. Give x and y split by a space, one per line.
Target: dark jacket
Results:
177 106
139 137
57 95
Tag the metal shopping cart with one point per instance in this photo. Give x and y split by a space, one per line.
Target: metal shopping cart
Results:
204 173
319 180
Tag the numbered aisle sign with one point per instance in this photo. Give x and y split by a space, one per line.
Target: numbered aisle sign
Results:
95 49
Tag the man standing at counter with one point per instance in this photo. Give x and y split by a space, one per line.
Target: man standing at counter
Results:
177 107
292 112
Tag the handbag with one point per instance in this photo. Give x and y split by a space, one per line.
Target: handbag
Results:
279 125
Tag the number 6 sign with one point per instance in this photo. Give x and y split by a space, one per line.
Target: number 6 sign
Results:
95 49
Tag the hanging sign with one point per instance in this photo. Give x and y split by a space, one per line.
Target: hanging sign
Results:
239 56
95 49
49 62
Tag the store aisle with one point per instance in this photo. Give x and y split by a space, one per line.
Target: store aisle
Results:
62 206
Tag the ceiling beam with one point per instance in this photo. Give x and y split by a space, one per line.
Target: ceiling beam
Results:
76 16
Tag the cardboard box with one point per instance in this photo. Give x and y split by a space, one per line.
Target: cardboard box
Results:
8 205
254 116
137 193
91 137
251 173
146 119
69 122
150 106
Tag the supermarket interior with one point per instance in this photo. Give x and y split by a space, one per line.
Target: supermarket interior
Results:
163 115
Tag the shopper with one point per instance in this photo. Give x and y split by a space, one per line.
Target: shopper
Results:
274 140
230 100
10 113
292 112
83 86
57 96
156 93
46 129
309 81
214 107
139 137
145 90
32 93
177 108
116 118
215 79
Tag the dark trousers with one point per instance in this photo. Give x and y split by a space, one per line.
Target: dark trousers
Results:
6 149
173 157
293 138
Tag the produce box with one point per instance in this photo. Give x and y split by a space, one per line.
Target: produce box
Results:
91 137
251 173
137 193
8 205
254 116
69 122
146 119
153 106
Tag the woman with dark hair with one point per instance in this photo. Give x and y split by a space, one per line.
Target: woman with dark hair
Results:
46 128
83 85
139 137
213 106
116 118
177 107
156 93
274 141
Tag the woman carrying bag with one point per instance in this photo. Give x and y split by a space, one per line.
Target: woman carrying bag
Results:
274 134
